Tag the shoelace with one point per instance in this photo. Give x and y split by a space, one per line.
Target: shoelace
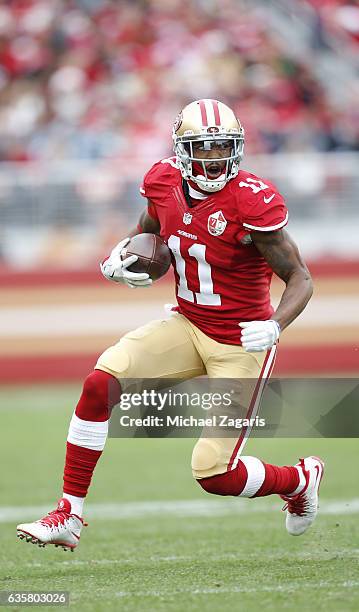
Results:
297 506
55 518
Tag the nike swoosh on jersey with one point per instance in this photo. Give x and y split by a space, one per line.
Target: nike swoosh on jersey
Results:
267 200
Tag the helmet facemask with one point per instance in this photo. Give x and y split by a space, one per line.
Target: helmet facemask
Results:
195 168
205 125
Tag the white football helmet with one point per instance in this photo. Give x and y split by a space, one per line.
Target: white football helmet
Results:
207 121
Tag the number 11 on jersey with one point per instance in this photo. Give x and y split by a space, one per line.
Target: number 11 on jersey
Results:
205 296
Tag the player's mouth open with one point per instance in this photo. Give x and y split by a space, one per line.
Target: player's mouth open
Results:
214 170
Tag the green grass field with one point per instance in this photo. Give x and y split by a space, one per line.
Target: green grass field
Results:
231 555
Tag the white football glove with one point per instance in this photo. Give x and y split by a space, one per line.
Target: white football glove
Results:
114 268
259 335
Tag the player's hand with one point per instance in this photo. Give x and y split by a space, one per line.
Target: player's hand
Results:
115 268
259 335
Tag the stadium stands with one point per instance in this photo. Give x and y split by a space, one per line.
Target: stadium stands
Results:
97 78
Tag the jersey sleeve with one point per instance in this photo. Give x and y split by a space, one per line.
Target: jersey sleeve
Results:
265 212
148 190
148 186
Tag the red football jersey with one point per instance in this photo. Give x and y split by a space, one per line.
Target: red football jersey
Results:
221 278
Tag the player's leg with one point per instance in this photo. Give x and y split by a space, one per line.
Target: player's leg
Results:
86 440
218 464
87 435
161 349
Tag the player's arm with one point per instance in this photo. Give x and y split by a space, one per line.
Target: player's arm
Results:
116 269
146 224
282 255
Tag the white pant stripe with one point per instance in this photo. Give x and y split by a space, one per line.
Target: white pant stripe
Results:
257 401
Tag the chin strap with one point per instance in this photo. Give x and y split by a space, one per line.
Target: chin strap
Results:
210 186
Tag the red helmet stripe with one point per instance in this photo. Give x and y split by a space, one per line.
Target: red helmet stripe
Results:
216 112
202 106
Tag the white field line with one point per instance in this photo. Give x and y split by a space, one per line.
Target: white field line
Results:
93 319
240 557
285 588
182 508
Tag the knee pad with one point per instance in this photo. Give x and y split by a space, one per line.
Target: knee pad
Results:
100 393
115 360
205 458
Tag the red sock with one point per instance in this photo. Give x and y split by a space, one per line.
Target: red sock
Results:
88 431
253 478
282 480
80 464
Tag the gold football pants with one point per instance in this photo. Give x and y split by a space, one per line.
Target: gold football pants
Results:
175 348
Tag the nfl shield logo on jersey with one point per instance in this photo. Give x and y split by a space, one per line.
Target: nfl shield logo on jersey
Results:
187 218
217 223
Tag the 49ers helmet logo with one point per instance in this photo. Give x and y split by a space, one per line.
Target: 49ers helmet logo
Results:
217 223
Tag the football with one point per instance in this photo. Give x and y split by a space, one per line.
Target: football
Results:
154 256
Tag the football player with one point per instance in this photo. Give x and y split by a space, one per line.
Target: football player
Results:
225 228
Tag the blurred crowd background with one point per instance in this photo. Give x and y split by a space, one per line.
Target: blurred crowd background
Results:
102 78
89 90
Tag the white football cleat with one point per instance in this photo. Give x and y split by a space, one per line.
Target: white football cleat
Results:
58 527
302 508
